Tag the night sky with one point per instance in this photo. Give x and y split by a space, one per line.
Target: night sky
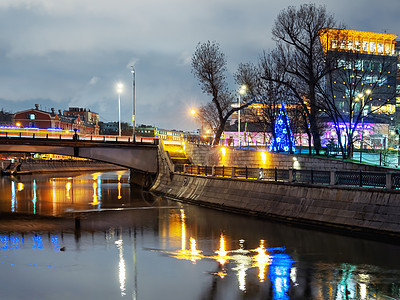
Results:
61 53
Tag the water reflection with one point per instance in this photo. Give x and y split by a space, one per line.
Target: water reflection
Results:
121 266
162 247
54 196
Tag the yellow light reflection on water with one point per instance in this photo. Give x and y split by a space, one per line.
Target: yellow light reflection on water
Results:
193 254
20 186
68 186
183 236
96 188
54 195
119 187
193 250
95 199
222 254
261 260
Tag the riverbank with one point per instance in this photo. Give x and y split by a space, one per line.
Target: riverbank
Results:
356 210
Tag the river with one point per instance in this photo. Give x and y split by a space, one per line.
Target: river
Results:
90 236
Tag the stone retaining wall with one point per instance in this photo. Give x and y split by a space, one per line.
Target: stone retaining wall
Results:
212 155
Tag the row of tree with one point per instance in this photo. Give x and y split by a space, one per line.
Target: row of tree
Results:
297 72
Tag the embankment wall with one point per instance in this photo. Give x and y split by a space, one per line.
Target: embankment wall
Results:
212 155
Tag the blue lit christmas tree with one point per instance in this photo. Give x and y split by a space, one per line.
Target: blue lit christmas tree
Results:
284 137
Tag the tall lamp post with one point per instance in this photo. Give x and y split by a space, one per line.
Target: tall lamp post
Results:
119 91
362 97
134 104
241 92
193 113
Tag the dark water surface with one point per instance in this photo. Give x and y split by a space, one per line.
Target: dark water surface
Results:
161 249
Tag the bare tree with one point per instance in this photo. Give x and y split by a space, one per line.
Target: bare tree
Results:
299 55
270 95
209 67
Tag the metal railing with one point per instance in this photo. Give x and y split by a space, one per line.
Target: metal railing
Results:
317 177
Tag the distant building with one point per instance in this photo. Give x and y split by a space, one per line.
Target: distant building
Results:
5 118
85 114
38 118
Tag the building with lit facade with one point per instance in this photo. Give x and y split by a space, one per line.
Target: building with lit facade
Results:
37 118
84 114
363 82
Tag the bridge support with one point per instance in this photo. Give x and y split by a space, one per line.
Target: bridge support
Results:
142 179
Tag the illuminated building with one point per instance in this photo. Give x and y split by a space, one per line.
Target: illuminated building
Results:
365 64
43 120
84 114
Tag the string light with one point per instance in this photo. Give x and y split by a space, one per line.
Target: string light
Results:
283 138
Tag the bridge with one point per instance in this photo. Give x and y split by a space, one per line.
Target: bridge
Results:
140 158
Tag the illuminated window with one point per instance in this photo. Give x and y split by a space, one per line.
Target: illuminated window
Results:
342 44
372 47
334 44
387 49
32 116
365 46
380 48
349 45
357 46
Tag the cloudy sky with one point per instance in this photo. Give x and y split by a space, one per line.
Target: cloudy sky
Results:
61 53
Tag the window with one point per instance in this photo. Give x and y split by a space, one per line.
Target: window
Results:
365 46
32 117
358 64
380 48
387 49
357 46
334 44
342 44
349 45
372 47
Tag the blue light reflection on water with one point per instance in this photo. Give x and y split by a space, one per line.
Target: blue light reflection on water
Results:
14 242
279 274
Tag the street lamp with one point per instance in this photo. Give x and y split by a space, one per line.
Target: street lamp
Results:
362 97
241 92
134 104
193 113
119 91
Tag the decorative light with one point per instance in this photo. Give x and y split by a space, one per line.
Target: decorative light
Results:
283 133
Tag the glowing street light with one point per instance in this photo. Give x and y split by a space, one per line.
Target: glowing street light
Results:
362 96
193 113
119 91
134 104
242 91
